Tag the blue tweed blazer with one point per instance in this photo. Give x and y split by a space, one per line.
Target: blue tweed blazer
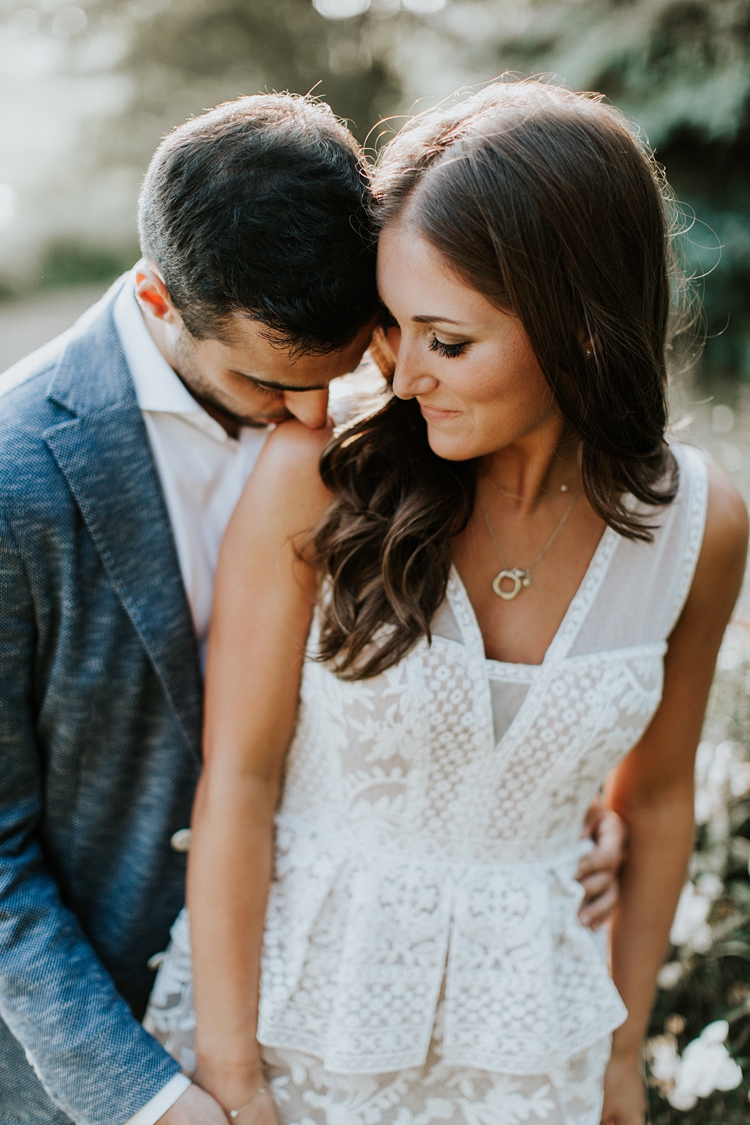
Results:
100 718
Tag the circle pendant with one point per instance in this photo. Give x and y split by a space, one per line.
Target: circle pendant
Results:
518 577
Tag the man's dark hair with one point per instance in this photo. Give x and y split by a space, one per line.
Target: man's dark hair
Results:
259 208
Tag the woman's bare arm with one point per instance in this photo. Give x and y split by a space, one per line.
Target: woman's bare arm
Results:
653 791
262 610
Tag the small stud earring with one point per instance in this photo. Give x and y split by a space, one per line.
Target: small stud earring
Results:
588 352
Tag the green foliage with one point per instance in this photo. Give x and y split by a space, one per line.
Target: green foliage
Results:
70 262
714 961
199 52
681 70
707 995
671 64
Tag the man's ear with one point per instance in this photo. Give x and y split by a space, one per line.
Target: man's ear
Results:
152 292
380 350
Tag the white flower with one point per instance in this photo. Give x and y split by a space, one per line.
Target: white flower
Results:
715 1032
690 926
739 778
733 651
713 766
664 1059
709 884
707 804
705 1066
669 975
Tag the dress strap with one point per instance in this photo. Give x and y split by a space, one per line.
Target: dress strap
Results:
693 490
463 611
584 597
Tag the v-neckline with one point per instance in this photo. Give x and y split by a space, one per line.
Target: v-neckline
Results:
568 627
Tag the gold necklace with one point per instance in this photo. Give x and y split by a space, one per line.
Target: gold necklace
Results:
516 495
520 577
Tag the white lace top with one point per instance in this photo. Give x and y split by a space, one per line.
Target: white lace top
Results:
426 844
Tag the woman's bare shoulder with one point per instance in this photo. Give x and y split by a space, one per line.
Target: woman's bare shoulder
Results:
726 520
721 564
284 494
292 450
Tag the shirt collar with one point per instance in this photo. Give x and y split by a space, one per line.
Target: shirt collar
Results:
157 385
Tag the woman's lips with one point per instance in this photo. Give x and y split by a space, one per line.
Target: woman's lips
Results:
435 414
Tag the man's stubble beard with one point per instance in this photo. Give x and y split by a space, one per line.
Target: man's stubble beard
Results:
204 391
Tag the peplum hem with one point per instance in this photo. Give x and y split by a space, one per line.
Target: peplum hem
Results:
360 945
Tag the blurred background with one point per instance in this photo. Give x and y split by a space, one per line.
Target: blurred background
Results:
88 89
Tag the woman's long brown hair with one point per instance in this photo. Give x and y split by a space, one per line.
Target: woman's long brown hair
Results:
545 202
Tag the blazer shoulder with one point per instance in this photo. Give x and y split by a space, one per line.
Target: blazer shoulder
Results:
81 370
40 362
26 411
28 470
86 355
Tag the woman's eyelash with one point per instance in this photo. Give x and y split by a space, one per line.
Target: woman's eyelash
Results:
448 351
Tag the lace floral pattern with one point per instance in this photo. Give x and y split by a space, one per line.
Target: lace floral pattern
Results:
307 1094
526 985
419 856
409 839
170 1016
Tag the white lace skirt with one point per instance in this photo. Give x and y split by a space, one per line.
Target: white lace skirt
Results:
305 1093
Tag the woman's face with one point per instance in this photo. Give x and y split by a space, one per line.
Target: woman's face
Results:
470 366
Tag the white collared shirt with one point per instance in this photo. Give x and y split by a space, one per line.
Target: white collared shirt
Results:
161 1102
202 470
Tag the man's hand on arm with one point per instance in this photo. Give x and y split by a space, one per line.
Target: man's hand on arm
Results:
194 1107
598 872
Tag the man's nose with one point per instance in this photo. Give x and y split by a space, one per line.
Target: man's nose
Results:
310 407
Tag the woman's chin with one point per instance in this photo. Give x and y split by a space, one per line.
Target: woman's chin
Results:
449 448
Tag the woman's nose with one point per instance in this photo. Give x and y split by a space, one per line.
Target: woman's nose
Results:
409 378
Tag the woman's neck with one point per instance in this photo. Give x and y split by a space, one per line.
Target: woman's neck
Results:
535 467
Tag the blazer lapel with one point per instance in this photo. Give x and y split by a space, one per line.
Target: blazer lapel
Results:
104 454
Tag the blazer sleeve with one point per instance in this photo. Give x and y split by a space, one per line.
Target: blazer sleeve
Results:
94 1060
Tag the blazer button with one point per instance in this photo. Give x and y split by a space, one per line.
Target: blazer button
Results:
180 841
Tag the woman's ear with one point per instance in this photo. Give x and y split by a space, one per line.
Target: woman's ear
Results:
589 342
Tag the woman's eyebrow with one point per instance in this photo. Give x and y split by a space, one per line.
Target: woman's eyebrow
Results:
434 319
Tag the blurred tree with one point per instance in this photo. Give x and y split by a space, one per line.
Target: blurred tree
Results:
182 58
194 54
681 69
72 262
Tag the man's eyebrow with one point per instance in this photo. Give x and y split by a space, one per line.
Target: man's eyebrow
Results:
277 386
434 319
